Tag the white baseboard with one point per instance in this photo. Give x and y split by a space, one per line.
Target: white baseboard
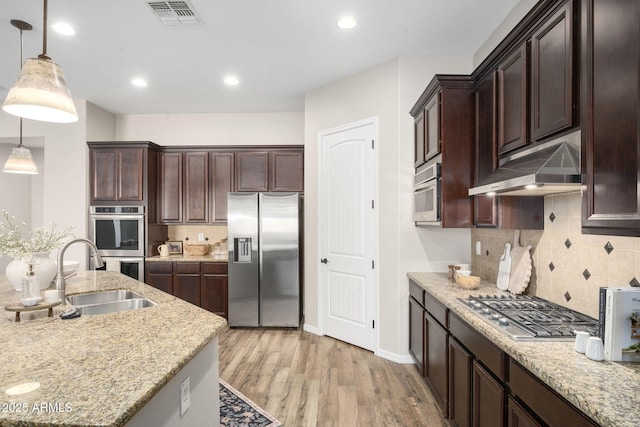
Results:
404 359
311 329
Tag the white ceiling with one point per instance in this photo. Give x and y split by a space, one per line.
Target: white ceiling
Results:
279 49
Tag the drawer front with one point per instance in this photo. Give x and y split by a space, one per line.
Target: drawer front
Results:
416 292
545 402
436 309
484 350
159 267
187 267
214 268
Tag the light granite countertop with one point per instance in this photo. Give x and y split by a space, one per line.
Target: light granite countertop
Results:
607 392
96 370
187 258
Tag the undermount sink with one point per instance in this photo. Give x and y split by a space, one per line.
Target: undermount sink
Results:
108 301
115 306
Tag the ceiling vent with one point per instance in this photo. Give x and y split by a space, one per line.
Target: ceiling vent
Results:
174 12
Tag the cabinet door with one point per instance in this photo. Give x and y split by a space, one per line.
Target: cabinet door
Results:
252 171
460 363
437 362
170 187
610 109
286 171
518 417
196 187
103 168
552 75
214 295
419 140
432 127
486 156
159 275
187 287
416 334
512 101
129 174
222 183
488 399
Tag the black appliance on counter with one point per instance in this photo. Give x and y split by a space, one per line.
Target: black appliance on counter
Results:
526 318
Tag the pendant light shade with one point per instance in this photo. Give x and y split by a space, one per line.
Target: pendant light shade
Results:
40 92
20 161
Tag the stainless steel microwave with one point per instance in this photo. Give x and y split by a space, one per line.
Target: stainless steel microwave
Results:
427 193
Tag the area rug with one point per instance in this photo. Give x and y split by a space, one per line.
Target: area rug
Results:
237 410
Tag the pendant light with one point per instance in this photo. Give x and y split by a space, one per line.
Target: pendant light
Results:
40 92
20 160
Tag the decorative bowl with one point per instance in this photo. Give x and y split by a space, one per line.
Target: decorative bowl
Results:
468 282
196 249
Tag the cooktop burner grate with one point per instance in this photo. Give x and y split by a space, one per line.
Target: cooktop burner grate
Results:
530 318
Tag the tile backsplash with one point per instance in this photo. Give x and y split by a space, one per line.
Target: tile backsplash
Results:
568 267
213 233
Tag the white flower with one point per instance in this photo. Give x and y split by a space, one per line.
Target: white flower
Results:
40 239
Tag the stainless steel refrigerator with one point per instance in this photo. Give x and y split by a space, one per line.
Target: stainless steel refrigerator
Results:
264 259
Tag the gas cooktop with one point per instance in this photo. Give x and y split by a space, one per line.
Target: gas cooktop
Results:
526 318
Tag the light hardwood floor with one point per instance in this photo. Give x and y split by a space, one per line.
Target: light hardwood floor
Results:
307 380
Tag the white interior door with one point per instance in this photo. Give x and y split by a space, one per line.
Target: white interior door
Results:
347 233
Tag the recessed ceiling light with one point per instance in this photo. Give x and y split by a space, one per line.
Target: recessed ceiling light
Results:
346 23
231 81
64 28
139 82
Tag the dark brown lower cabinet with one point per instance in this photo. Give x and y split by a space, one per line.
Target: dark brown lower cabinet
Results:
460 362
160 275
186 282
518 416
437 362
416 334
488 400
213 288
204 284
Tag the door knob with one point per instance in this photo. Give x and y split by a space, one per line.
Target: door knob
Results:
324 260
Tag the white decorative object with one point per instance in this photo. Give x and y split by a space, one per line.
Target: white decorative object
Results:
520 274
45 269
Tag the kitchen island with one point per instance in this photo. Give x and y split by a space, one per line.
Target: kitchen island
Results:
606 392
113 369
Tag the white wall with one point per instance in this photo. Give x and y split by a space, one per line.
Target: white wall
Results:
387 91
213 129
64 190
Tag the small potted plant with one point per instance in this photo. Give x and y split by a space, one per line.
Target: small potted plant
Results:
34 249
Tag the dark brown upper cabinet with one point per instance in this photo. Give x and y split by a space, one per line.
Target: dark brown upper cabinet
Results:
485 150
447 107
427 129
222 183
552 87
196 187
252 171
610 107
170 186
116 174
512 101
418 139
269 170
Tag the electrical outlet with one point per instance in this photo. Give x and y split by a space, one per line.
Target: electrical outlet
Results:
478 248
200 237
185 396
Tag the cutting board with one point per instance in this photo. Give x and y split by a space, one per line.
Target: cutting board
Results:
504 267
520 274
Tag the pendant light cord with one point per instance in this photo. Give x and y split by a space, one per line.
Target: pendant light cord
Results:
43 55
21 64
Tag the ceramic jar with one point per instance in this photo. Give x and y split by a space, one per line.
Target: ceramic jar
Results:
45 270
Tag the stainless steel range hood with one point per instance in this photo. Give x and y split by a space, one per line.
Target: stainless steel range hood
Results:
551 167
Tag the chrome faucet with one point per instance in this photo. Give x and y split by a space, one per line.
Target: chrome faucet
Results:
61 284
